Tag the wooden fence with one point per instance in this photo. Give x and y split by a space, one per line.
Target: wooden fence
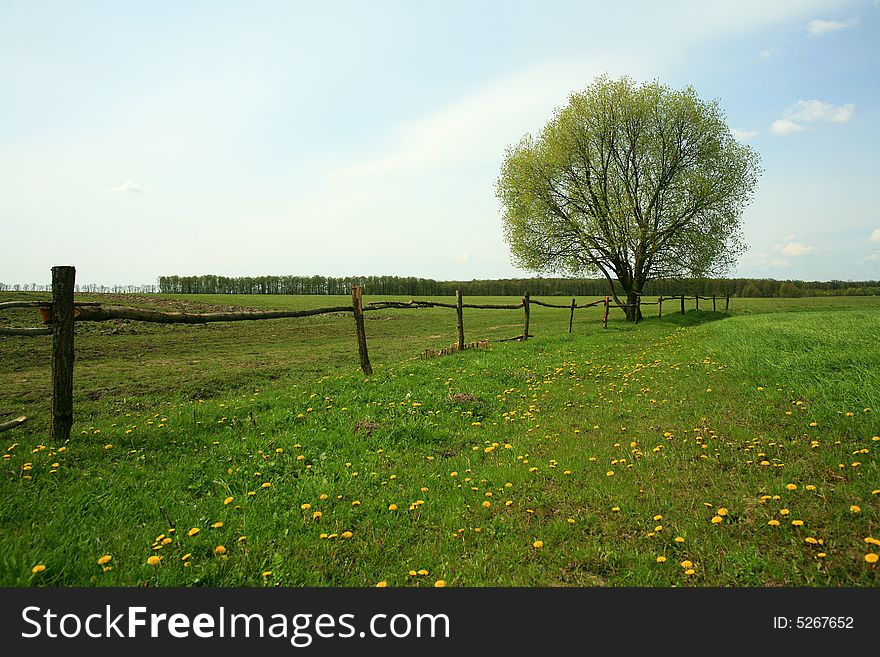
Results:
62 312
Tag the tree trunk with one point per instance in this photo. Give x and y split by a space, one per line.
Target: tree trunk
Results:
633 311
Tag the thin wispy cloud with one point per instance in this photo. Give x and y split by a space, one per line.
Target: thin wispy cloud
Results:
767 53
811 111
792 249
875 236
130 187
763 262
743 135
818 27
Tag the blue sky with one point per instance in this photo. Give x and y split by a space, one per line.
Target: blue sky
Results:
243 138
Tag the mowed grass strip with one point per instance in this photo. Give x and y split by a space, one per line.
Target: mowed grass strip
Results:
682 451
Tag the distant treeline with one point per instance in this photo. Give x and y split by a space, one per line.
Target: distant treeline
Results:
411 286
567 287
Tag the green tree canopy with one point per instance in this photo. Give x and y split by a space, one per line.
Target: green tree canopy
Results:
629 181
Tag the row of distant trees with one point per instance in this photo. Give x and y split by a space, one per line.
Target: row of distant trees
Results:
569 287
90 288
412 286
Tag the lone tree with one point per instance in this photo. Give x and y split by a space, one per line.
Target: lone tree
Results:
633 182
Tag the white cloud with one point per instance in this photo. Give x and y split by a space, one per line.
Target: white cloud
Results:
131 187
816 110
767 53
786 127
809 111
875 236
743 135
819 27
465 258
795 249
874 257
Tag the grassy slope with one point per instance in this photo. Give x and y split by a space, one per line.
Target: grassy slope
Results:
672 408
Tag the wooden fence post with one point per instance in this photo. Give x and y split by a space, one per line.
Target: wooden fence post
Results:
358 304
659 307
682 304
63 279
525 301
713 303
727 302
571 317
459 319
605 319
697 297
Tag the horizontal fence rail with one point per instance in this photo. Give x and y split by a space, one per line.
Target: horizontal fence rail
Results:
62 312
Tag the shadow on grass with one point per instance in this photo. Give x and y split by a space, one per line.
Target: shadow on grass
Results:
690 318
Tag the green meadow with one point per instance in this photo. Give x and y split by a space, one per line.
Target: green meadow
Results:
705 449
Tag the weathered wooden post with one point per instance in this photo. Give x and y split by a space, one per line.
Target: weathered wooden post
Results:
571 317
358 304
726 303
459 319
63 279
713 303
525 301
605 318
682 304
659 307
697 297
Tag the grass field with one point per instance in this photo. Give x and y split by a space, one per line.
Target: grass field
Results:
701 450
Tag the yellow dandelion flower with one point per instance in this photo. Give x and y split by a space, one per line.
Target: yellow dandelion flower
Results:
686 563
811 540
266 573
266 485
658 517
423 572
186 556
797 523
810 487
821 555
412 573
439 584
855 508
193 531
382 584
722 511
871 557
220 549
773 523
784 512
323 496
679 539
228 500
689 571
105 559
154 560
717 519
538 544
305 506
346 534
791 486
317 515
661 559
40 568
217 525
487 504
